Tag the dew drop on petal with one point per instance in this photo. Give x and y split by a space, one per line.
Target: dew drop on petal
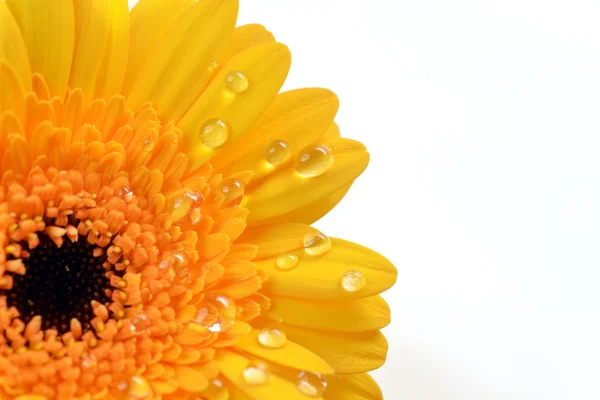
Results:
278 152
316 243
122 386
237 82
279 320
139 323
164 264
353 281
314 160
139 387
286 262
232 189
272 338
256 373
216 390
149 143
214 133
180 259
89 361
201 315
213 65
195 215
125 194
311 384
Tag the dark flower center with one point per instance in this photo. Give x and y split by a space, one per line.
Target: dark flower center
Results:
60 284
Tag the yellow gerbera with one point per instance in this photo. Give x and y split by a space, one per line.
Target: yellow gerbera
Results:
156 198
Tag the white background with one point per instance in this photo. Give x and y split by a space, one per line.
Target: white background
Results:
483 122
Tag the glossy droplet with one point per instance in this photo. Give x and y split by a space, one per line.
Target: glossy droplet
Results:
195 215
286 262
180 259
201 315
222 325
353 281
272 338
232 189
279 320
314 160
256 373
311 384
89 361
278 152
213 65
316 243
216 390
139 387
125 194
164 264
214 133
139 324
149 144
180 207
237 82
122 386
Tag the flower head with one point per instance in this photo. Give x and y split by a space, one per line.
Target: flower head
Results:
156 197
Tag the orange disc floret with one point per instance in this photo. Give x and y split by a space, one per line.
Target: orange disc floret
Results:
126 258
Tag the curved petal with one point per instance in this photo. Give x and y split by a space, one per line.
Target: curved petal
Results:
266 67
291 355
92 27
319 277
150 21
356 315
352 387
232 366
48 29
347 353
313 212
114 63
272 240
286 191
12 47
178 69
247 36
297 117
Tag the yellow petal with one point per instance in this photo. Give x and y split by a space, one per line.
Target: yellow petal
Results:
11 94
272 240
286 191
92 26
313 212
232 366
352 387
356 315
150 21
178 69
190 379
298 117
332 133
114 63
265 67
319 277
291 355
247 36
48 30
347 353
12 47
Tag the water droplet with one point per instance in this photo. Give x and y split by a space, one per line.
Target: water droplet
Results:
180 207
122 386
201 315
286 262
272 338
139 323
216 390
164 264
256 373
353 281
89 361
149 143
180 259
195 215
125 194
222 325
237 82
278 152
311 384
316 243
232 189
139 388
213 65
214 133
314 160
279 320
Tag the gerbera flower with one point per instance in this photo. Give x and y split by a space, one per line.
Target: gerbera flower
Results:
156 198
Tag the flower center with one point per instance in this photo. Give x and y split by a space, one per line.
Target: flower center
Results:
60 284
